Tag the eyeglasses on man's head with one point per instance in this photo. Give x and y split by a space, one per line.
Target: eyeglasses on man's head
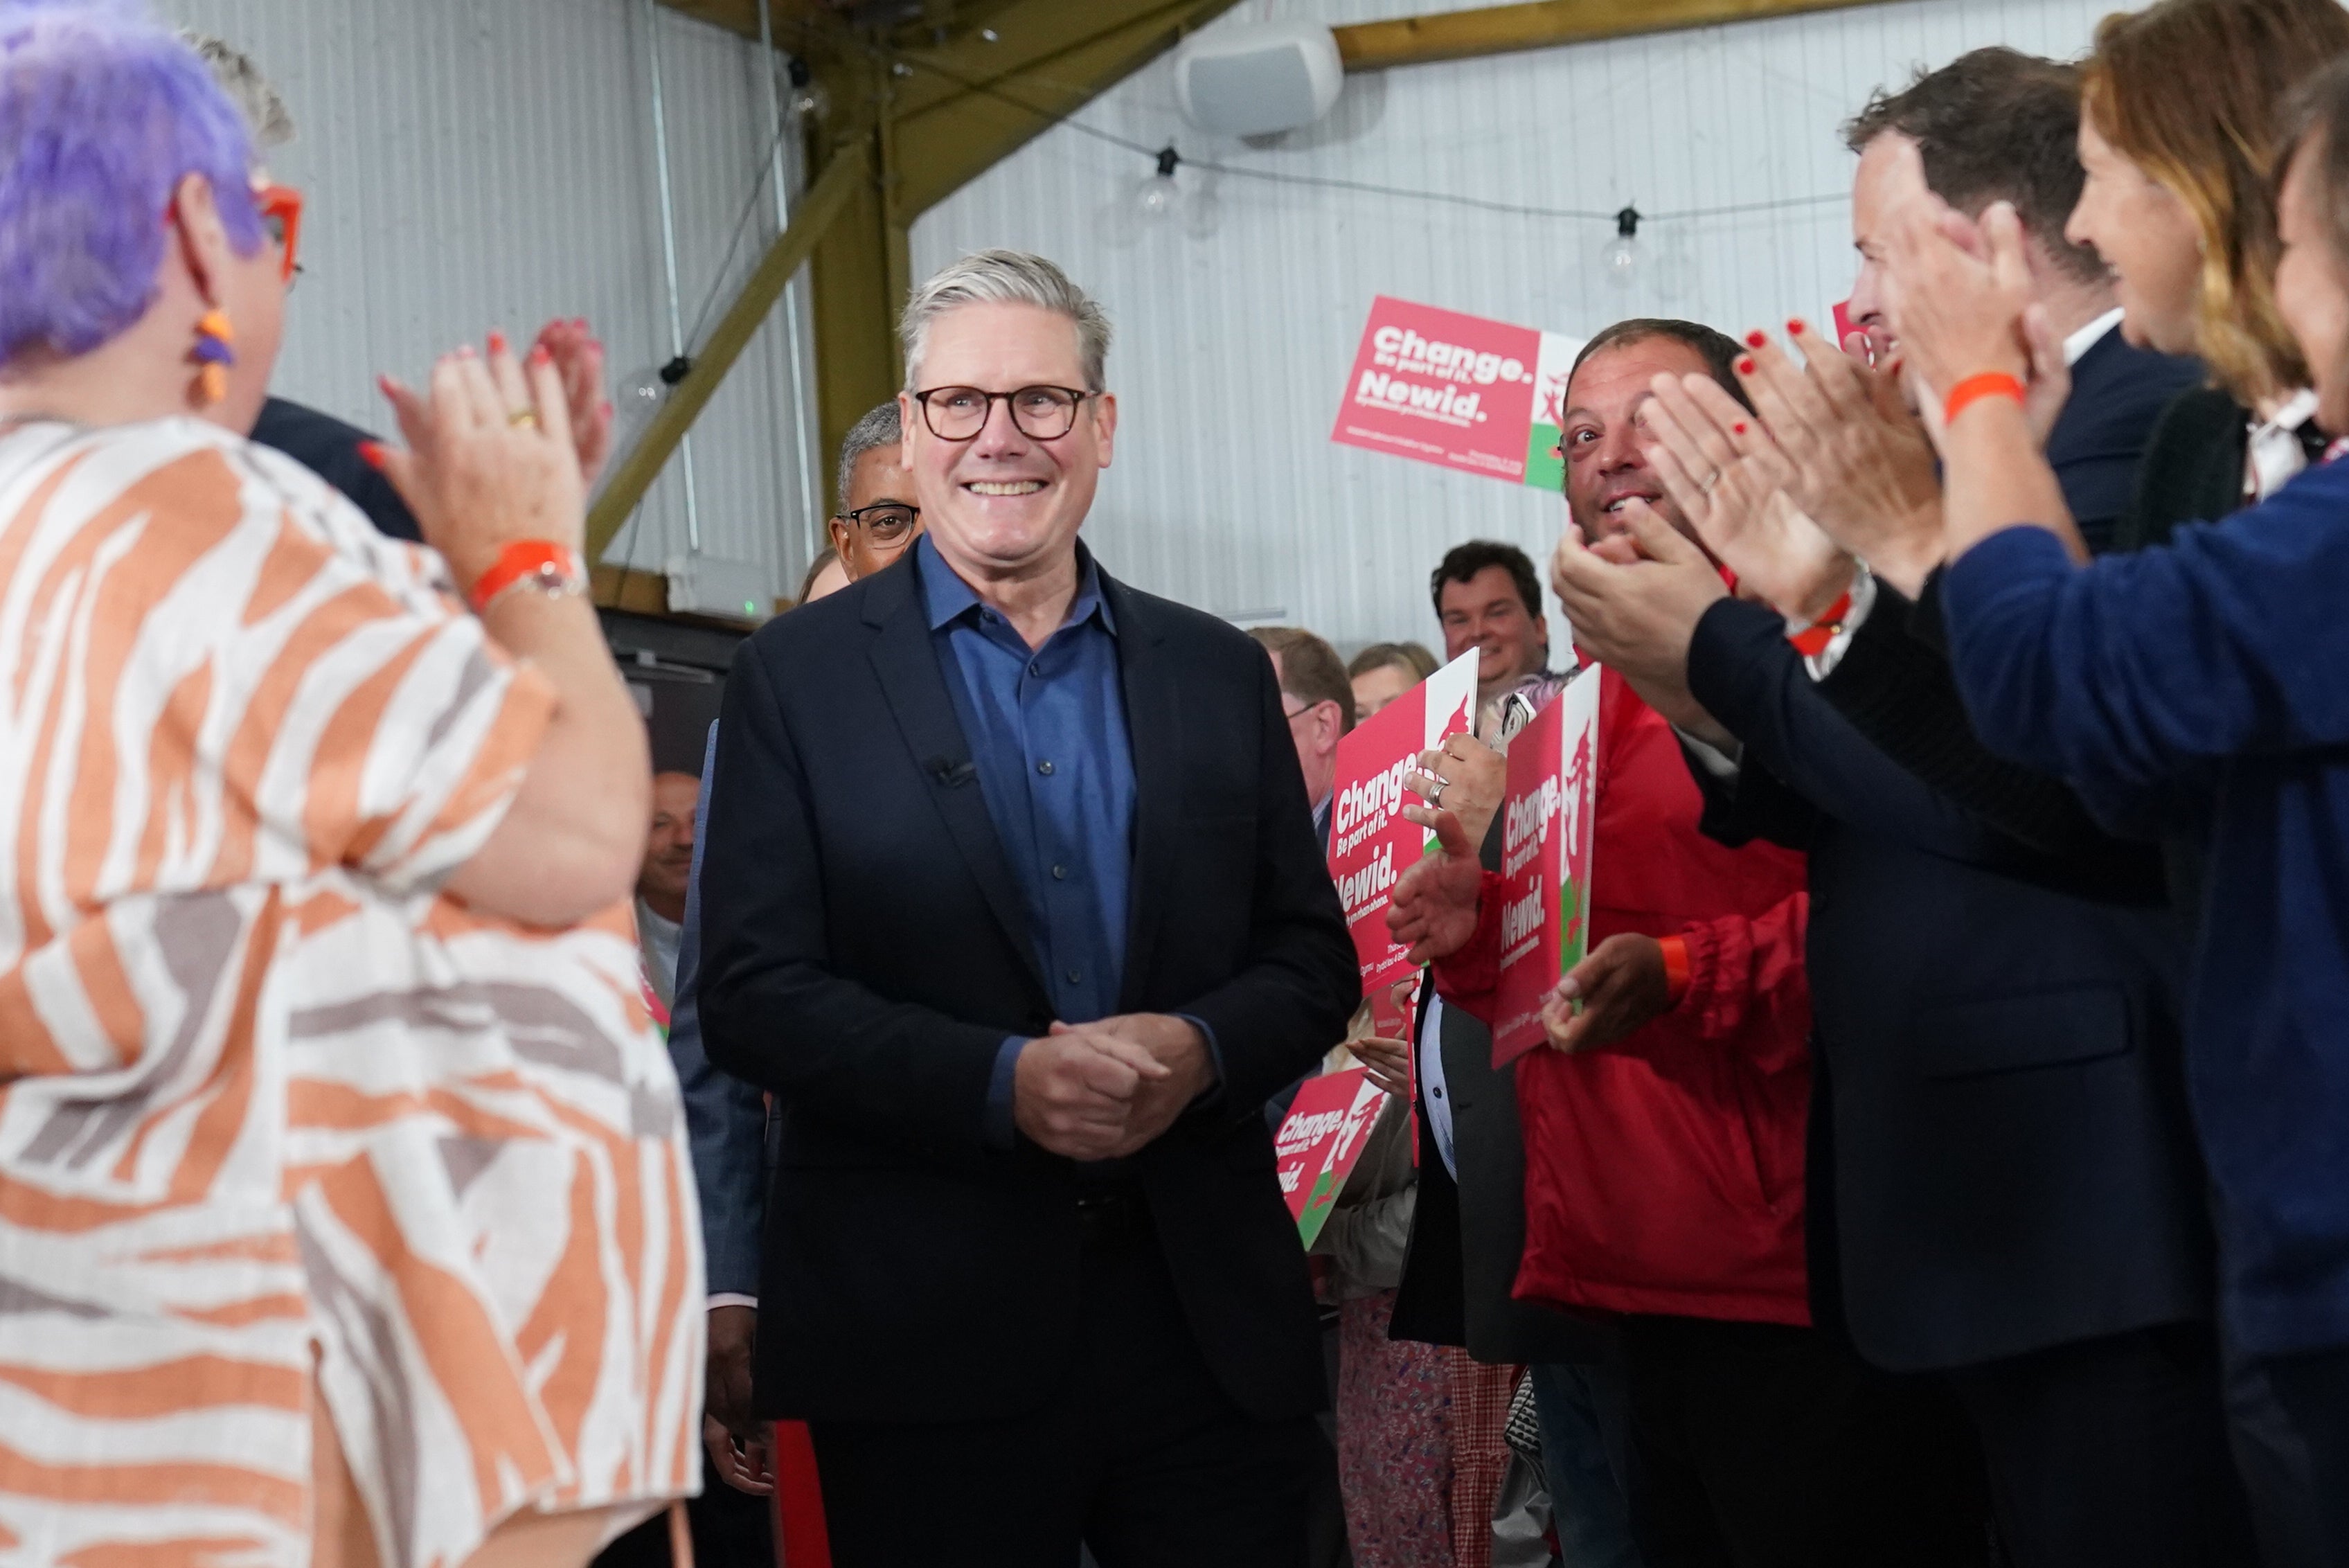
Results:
885 521
1041 413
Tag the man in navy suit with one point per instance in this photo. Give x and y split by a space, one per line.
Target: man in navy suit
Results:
1011 898
2005 1185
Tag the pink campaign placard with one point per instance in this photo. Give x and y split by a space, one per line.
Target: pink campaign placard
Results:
1548 808
1321 1141
1447 388
1372 843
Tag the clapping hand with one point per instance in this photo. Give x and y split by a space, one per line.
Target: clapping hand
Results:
1465 777
1637 619
1432 907
578 358
490 457
1960 289
1387 1063
1730 480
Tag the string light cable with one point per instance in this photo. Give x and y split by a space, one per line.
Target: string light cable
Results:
1163 155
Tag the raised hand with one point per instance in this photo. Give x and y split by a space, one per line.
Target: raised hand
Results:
1728 478
1466 777
1432 907
1956 313
578 355
1620 985
1637 619
490 458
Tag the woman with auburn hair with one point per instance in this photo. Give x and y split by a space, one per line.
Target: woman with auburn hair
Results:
345 1213
2178 139
2196 684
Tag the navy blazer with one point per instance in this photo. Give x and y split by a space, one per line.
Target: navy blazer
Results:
2001 1155
725 1118
864 952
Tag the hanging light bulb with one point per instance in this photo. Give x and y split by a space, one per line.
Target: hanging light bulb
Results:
1158 198
807 98
1620 260
639 397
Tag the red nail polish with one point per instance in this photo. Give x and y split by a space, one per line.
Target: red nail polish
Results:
371 453
497 342
1794 326
1737 429
1745 367
539 356
1756 338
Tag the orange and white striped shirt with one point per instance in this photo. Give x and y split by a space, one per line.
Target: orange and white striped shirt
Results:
271 1107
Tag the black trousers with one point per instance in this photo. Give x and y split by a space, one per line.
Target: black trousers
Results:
2112 1453
1762 1446
1139 1455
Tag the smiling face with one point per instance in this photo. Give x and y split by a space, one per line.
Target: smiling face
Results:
1487 613
1604 464
875 480
1004 504
2311 290
2147 235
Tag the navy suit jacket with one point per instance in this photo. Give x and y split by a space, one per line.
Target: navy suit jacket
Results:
2000 1153
725 1118
865 951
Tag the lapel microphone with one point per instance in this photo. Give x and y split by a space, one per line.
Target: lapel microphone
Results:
951 774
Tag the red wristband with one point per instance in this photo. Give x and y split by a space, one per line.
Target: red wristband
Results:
555 565
1973 388
1676 967
1813 639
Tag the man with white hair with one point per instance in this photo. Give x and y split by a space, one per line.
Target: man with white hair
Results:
1013 902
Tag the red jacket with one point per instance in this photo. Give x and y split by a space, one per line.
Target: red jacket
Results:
1664 1174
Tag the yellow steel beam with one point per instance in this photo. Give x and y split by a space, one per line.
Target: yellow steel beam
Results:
815 213
948 133
1544 24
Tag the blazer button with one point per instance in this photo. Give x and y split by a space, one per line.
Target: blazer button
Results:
1045 768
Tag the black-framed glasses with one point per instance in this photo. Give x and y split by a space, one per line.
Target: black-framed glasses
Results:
885 522
1041 413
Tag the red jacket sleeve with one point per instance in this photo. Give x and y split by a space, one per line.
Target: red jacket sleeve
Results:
1467 978
1747 982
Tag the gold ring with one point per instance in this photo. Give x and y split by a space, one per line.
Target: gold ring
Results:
523 417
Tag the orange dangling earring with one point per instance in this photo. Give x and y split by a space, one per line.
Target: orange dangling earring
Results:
214 354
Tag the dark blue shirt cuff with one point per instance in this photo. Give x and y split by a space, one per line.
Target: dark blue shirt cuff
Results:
1000 1129
1214 1092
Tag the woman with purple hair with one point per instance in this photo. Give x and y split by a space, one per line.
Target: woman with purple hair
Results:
345 1213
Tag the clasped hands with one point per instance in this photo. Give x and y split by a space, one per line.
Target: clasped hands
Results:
1107 1089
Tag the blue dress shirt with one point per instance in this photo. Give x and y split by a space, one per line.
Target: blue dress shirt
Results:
1046 728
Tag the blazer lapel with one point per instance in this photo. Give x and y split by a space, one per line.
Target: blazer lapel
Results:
1153 720
915 687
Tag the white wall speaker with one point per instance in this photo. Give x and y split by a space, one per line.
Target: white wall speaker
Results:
1254 81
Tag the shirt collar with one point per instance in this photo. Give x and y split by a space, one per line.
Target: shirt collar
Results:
2088 336
948 598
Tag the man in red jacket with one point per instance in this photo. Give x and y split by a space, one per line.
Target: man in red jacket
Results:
1664 1134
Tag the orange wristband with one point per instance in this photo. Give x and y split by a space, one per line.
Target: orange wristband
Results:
554 568
1973 388
1676 967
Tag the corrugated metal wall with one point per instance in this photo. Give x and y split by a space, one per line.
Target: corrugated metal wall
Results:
478 163
1234 347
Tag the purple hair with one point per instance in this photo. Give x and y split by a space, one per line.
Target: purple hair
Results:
102 113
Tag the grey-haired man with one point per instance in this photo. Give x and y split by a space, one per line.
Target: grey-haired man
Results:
1013 902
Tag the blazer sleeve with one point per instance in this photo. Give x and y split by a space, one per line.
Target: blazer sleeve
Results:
771 1011
1281 1012
1897 689
725 1118
1747 676
2127 673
